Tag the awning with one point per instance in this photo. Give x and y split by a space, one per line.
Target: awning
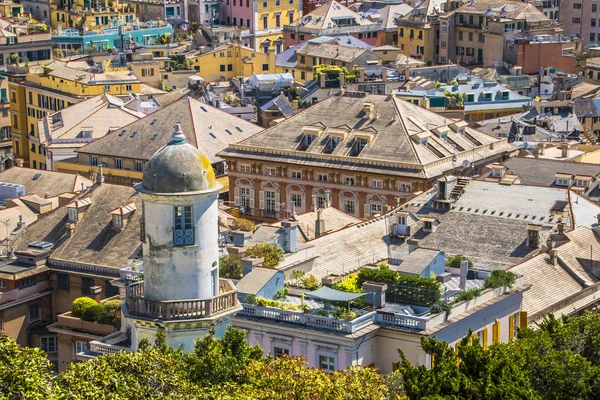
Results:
326 293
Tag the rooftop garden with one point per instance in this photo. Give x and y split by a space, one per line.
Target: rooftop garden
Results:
230 265
106 313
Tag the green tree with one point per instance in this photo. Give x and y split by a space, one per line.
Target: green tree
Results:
217 361
230 266
25 373
500 278
272 253
454 261
242 224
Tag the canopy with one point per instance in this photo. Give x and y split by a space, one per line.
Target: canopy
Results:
326 293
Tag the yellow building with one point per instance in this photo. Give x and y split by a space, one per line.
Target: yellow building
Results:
417 40
10 9
93 16
35 92
231 60
264 18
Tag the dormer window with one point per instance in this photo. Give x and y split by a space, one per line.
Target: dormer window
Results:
121 215
183 232
401 220
117 221
76 209
563 181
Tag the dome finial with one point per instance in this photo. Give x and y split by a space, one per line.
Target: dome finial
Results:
177 135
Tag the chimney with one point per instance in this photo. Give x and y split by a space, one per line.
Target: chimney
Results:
413 244
322 80
369 109
554 257
541 148
561 228
19 162
464 271
290 242
295 106
425 103
597 227
249 263
362 74
384 74
96 292
375 293
239 238
342 79
100 176
319 224
564 150
533 236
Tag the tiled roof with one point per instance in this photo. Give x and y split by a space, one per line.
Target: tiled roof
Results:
42 182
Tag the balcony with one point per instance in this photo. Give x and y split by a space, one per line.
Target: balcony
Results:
173 310
132 273
315 321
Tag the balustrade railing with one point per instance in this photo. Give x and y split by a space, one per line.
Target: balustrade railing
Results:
139 305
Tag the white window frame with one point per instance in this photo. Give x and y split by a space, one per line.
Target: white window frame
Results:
80 346
376 208
117 220
296 195
401 220
563 181
581 182
73 215
349 202
349 180
405 187
118 163
323 177
285 350
296 174
47 347
138 166
2 284
327 359
377 183
245 168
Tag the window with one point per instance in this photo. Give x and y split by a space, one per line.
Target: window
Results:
563 181
327 363
443 46
296 200
110 290
404 187
349 206
401 32
576 20
138 165
183 234
349 181
594 8
576 6
107 88
444 27
460 35
265 4
62 282
291 16
427 226
246 168
470 36
34 312
280 351
277 20
582 183
377 183
265 67
2 284
277 2
265 21
376 208
230 67
73 215
118 162
593 22
271 171
270 203
80 347
246 200
322 177
222 68
25 282
86 286
49 344
296 174
401 220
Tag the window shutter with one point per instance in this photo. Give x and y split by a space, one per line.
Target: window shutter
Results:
143 72
236 196
523 319
367 210
277 200
152 72
511 328
496 332
485 338
261 199
252 198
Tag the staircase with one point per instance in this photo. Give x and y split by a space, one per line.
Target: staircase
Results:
459 188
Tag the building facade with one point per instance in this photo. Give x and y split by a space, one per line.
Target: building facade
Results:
581 17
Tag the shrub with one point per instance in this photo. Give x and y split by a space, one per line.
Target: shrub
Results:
454 261
81 304
94 313
310 282
112 307
382 275
467 295
260 301
272 253
281 293
242 224
500 278
349 285
230 266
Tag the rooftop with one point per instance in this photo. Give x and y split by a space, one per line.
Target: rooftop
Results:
397 132
207 128
44 183
504 9
329 16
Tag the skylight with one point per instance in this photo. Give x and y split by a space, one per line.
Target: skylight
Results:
228 131
239 129
153 122
154 136
122 132
203 109
212 135
133 134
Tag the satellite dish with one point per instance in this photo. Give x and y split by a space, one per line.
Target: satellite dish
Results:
466 163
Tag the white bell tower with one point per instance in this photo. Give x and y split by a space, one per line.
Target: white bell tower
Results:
181 294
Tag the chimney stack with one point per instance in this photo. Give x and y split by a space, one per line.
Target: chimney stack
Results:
464 271
100 176
290 242
249 263
319 224
554 257
533 236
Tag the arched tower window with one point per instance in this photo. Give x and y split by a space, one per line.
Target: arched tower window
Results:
183 233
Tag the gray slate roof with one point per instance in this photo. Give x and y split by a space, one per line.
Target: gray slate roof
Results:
255 280
542 172
50 182
208 129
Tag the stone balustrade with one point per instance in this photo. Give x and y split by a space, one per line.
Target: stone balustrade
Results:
138 304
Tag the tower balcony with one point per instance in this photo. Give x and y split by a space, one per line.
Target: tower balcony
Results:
174 310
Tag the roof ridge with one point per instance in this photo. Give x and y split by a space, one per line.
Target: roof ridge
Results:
401 118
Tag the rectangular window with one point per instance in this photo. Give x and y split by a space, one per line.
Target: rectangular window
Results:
376 209
277 20
109 289
118 163
86 286
49 344
265 67
2 284
25 282
377 183
576 6
349 207
183 234
246 168
270 205
270 171
280 352
322 177
265 21
94 160
296 200
222 67
327 363
296 174
576 20
62 282
138 165
80 347
34 312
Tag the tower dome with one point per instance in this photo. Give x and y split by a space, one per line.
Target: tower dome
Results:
178 167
